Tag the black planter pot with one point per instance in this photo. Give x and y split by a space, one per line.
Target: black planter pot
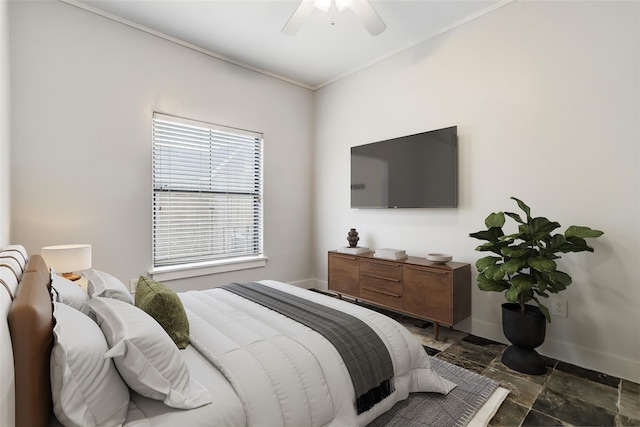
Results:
525 331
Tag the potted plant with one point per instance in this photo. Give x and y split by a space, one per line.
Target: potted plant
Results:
522 265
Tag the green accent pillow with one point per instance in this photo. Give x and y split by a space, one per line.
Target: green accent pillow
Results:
164 305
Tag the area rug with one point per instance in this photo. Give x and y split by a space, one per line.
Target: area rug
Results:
457 409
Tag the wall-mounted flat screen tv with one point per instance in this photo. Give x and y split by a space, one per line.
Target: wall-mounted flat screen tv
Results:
414 171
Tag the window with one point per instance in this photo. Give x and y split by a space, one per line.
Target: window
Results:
207 193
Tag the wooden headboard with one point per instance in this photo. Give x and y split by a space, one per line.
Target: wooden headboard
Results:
31 326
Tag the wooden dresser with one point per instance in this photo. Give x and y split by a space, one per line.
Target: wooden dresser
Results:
440 293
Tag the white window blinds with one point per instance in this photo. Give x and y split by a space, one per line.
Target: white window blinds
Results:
207 192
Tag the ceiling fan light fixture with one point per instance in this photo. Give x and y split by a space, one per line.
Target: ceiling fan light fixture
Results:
361 8
323 5
343 4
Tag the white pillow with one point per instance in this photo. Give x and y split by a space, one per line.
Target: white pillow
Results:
8 276
12 264
146 357
69 293
20 250
18 253
85 386
102 284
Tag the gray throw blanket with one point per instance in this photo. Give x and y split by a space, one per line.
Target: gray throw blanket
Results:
363 352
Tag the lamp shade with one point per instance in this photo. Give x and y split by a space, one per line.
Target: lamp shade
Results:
67 258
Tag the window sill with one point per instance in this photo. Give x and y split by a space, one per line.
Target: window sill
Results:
206 268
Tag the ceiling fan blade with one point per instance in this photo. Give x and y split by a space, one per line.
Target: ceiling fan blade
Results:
368 16
301 13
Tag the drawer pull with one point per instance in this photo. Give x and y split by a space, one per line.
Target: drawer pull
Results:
383 263
424 270
345 257
381 292
381 278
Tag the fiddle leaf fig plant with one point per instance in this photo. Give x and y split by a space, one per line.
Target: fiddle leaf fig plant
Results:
523 264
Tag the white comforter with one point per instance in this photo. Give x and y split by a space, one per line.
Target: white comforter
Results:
287 374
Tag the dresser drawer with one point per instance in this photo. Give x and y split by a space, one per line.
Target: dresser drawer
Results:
381 269
381 276
387 298
381 282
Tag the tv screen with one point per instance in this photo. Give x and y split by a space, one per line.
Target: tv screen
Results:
415 171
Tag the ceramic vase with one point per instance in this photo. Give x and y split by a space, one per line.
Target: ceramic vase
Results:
352 238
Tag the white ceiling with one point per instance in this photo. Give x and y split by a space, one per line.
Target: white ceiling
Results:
249 32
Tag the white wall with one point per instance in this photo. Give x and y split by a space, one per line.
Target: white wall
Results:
7 382
84 91
546 99
4 125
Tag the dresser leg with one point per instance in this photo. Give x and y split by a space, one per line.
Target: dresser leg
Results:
436 328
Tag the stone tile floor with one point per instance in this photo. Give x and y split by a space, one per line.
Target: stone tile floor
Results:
566 395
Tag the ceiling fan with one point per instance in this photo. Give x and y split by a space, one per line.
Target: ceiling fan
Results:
362 8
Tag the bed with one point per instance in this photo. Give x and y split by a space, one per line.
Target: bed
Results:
245 364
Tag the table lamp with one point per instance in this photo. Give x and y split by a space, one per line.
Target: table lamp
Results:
67 259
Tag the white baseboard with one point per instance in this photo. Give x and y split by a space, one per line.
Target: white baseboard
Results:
588 358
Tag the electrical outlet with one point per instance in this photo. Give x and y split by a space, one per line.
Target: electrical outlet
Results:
559 307
133 284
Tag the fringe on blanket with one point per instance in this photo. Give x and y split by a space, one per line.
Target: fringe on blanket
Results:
373 396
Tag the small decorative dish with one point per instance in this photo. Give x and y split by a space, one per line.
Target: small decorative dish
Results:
439 258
